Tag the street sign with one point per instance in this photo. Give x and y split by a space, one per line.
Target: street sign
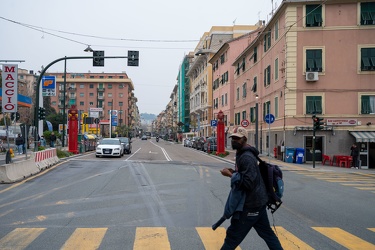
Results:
213 123
245 123
96 120
269 118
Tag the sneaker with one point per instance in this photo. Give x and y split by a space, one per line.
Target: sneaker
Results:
356 167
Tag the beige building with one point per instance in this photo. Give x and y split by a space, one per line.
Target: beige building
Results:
200 74
98 91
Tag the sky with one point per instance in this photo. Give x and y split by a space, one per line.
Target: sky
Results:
41 31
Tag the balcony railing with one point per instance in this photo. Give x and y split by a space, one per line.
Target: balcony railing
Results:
101 89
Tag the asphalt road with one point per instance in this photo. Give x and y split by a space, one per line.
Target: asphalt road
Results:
165 196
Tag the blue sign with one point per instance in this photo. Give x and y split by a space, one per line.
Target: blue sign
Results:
269 118
213 123
49 86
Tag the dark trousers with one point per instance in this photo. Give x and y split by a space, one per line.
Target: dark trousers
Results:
355 161
239 228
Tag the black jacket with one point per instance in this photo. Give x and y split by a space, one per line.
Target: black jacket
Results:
251 179
19 141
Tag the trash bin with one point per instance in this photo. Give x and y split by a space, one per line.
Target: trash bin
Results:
289 155
300 154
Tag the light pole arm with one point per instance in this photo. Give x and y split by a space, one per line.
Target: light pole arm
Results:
36 120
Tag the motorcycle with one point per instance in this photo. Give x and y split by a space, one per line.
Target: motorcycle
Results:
157 139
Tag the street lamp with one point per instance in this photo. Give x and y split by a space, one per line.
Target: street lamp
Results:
256 121
88 49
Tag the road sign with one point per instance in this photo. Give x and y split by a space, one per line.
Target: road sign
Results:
213 123
96 120
269 118
245 123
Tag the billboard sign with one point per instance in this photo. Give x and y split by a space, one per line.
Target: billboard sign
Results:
10 88
49 86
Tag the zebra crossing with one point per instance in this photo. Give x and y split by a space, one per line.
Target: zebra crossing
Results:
147 238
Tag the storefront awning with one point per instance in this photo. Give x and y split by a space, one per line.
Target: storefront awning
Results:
364 136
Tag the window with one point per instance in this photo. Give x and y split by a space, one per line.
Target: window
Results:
121 95
53 103
367 104
314 15
110 77
109 85
252 114
243 64
101 86
226 98
81 103
91 104
276 30
109 94
222 100
368 13
276 113
267 76
238 94
277 69
266 108
222 58
237 119
367 59
120 104
101 77
110 104
267 41
314 60
314 105
100 104
91 94
91 86
121 77
82 86
91 77
243 115
254 88
81 94
244 88
255 54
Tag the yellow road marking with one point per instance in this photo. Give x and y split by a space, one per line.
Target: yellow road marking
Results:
289 241
151 238
344 238
372 229
20 238
212 240
85 238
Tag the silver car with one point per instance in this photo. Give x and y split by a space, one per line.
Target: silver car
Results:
110 147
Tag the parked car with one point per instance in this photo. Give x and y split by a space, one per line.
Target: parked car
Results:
187 143
110 147
210 144
194 142
200 142
144 137
126 142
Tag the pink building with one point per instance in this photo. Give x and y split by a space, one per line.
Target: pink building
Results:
311 58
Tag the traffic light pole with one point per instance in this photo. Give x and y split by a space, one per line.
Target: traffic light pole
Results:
313 146
36 107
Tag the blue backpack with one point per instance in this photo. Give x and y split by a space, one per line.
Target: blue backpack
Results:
273 180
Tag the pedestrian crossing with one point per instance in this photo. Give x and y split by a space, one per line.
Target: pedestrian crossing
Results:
359 181
155 238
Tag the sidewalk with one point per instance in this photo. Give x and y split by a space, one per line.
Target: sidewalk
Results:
305 166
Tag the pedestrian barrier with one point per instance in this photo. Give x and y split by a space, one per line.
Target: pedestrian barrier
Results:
21 169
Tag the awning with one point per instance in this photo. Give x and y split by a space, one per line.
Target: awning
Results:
364 136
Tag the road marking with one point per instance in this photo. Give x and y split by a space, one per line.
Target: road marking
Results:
344 238
85 238
372 229
20 238
151 238
212 240
289 241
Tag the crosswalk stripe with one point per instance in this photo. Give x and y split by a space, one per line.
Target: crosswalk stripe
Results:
372 229
151 238
85 238
212 240
20 238
289 241
344 238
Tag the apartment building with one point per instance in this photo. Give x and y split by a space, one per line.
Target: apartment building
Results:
200 75
312 58
101 92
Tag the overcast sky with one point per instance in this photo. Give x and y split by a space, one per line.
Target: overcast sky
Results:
40 31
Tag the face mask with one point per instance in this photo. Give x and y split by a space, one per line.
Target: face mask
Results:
236 145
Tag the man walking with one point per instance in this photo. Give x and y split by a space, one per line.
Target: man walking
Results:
354 154
52 140
19 143
254 212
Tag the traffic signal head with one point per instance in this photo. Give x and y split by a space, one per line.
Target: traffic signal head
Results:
41 113
318 123
98 59
133 58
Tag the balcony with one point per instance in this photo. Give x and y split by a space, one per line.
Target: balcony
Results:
101 98
100 89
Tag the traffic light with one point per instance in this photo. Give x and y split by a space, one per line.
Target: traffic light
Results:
133 58
318 123
41 113
98 59
16 116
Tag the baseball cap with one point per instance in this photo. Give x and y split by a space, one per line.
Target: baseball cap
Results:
239 132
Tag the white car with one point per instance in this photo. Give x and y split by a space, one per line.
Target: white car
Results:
110 147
